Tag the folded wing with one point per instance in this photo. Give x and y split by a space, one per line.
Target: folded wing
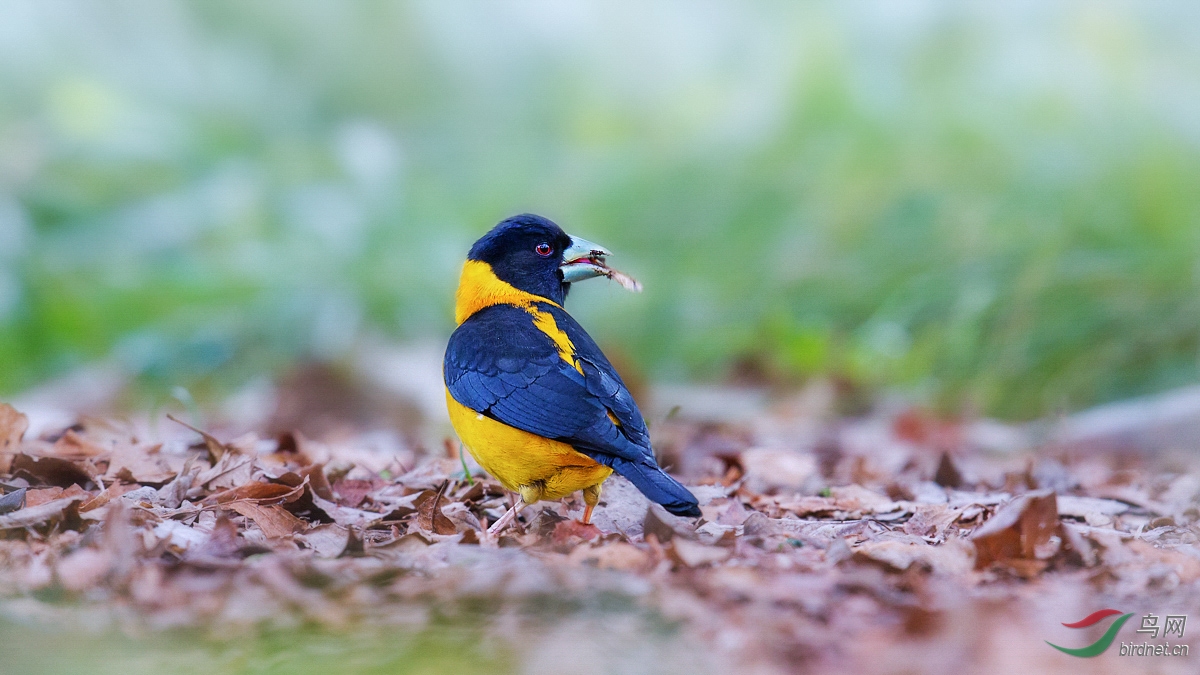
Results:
501 364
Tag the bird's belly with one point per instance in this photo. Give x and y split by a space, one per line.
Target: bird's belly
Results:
515 457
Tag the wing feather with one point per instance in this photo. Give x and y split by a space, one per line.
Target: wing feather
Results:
522 381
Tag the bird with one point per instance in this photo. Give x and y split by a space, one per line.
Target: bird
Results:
529 393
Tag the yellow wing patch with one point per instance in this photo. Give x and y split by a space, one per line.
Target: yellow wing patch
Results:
479 287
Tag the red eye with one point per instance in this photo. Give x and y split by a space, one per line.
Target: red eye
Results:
543 249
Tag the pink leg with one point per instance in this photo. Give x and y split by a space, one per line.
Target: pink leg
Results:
506 519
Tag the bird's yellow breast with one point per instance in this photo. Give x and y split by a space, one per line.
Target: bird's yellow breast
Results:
518 458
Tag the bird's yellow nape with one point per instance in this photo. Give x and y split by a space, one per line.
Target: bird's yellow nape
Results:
479 287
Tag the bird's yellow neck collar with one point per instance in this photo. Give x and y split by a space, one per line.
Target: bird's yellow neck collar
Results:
479 287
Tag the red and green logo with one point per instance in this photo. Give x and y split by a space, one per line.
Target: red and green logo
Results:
1096 648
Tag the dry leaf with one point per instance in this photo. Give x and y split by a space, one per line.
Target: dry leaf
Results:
315 473
13 426
83 569
461 516
695 554
50 471
429 513
353 492
231 471
139 464
930 520
947 474
37 497
1083 507
571 531
768 469
328 540
1017 529
272 493
216 449
273 520
612 556
844 502
72 445
36 515
901 554
109 493
222 542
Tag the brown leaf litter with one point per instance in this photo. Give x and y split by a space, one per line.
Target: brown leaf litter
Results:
881 553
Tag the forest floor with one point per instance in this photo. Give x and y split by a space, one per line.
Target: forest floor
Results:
895 542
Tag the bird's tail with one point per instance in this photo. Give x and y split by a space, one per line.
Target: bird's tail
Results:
659 487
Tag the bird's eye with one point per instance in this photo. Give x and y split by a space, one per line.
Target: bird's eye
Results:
543 249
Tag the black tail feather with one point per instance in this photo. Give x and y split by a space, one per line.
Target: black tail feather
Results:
659 487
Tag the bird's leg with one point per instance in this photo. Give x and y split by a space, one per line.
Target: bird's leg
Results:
591 497
506 519
530 494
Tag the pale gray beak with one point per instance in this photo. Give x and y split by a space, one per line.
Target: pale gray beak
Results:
583 260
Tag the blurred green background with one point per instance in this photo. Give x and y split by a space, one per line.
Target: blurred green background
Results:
996 205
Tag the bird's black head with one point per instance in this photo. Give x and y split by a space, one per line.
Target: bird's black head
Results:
525 252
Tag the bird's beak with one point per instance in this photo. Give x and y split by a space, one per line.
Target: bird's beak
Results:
583 260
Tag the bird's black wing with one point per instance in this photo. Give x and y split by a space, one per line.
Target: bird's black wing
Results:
500 363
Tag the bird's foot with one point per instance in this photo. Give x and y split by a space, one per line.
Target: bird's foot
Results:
505 520
587 515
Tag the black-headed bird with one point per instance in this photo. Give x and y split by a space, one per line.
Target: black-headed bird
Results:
530 394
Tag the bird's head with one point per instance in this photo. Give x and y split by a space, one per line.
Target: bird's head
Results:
534 255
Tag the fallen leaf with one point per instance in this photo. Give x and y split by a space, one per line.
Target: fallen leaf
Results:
901 554
36 515
353 492
273 520
429 513
273 493
172 494
695 554
725 511
222 542
409 543
140 464
571 531
50 471
216 449
327 540
343 515
770 469
1017 529
109 493
1077 547
231 471
13 426
930 520
1082 507
37 497
947 474
461 516
83 569
612 556
663 525
73 445
315 473
847 502
354 547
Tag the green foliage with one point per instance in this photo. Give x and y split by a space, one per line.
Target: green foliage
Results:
442 648
998 208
